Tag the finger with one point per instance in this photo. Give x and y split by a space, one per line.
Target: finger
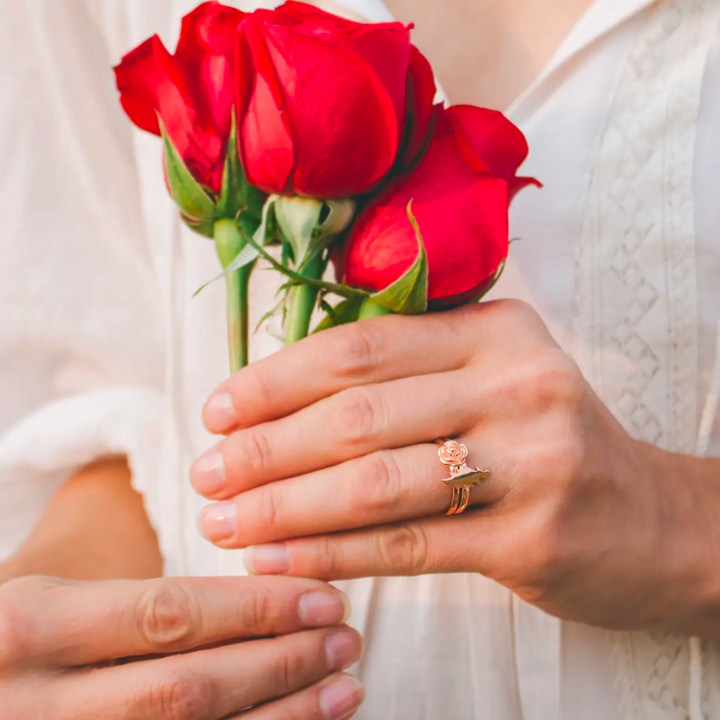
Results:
440 544
52 623
209 684
372 351
336 698
350 424
379 488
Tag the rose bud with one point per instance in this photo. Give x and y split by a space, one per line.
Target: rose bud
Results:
328 105
459 195
191 92
189 99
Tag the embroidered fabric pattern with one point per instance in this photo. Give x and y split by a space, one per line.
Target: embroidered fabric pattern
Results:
636 290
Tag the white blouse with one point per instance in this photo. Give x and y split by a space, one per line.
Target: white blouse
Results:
104 350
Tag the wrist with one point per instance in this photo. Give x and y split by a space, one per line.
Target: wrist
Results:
689 508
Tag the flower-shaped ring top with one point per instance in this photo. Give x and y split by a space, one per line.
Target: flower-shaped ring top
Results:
462 477
453 453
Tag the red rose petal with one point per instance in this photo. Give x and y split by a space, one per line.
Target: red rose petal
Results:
267 149
341 117
266 145
207 52
462 215
139 75
151 84
420 105
488 136
515 185
386 48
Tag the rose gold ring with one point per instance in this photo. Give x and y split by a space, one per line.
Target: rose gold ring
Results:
462 477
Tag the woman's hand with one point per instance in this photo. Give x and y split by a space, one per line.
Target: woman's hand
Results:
58 640
329 450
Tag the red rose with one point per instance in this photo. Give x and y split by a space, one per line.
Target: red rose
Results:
328 104
460 194
192 92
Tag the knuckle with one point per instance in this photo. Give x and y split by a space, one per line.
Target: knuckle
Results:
557 457
255 450
267 512
512 307
356 351
258 603
559 378
506 311
379 486
550 381
403 550
360 414
184 694
287 668
326 558
167 616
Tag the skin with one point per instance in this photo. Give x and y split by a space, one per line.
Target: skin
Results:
577 517
180 643
188 632
78 539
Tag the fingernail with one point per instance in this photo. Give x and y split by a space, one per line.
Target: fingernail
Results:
219 521
341 698
342 649
207 474
267 560
320 608
219 413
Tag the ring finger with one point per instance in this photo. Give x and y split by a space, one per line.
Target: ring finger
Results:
382 487
351 424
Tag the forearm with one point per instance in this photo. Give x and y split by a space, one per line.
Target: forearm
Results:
95 528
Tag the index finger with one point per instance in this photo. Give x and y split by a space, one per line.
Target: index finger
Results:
371 351
61 624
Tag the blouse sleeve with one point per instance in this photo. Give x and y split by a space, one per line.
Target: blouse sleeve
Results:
81 334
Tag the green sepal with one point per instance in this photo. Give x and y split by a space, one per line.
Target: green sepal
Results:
408 294
309 225
237 194
297 218
340 214
206 228
345 312
194 203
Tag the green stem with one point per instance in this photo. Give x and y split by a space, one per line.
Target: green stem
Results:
229 242
370 309
302 303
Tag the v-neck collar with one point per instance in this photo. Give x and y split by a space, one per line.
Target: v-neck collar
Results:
601 17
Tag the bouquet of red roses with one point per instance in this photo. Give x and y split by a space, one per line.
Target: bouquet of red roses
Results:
300 128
